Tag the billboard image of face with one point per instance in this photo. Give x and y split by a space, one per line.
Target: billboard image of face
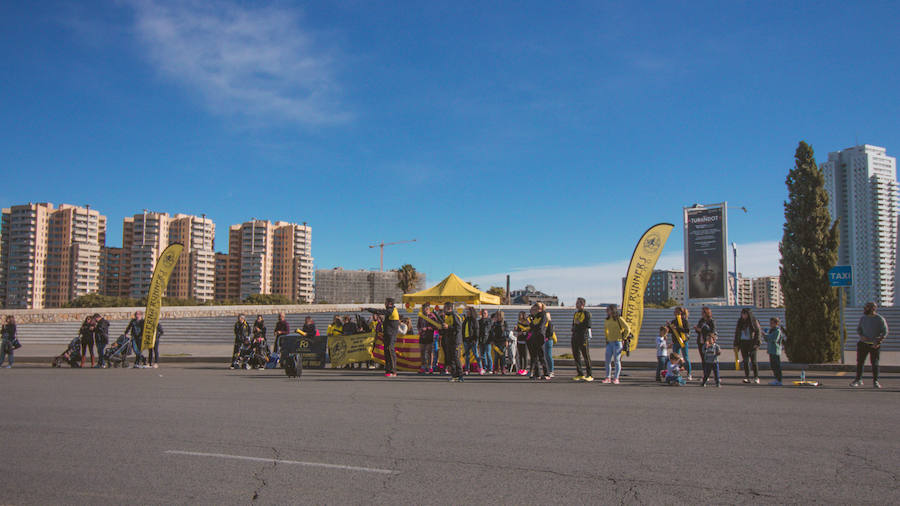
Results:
706 269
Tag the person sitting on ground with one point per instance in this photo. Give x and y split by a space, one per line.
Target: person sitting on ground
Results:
675 370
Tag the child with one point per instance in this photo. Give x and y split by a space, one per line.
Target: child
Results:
674 370
662 350
774 342
711 354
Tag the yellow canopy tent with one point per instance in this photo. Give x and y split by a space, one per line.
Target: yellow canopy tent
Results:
451 289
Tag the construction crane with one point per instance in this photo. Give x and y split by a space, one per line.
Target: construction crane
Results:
382 244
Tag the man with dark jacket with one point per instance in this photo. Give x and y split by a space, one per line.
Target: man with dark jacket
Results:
391 327
450 336
101 336
484 345
136 329
581 334
241 334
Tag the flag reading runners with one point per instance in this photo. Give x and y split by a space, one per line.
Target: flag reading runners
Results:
643 260
164 267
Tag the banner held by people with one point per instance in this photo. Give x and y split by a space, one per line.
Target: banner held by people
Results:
643 260
350 349
164 267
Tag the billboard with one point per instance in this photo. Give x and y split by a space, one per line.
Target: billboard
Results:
705 253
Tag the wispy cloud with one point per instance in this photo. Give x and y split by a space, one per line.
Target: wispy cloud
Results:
256 63
603 282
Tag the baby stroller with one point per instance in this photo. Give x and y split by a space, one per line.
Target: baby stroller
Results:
243 359
259 354
509 355
72 355
117 354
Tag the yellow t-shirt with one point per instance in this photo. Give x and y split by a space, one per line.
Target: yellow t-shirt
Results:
616 330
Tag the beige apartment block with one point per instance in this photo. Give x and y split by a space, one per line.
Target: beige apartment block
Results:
195 273
267 258
149 237
49 256
767 292
113 272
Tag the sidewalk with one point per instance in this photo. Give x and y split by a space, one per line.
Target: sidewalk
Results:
641 358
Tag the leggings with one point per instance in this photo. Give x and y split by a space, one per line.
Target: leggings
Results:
451 356
521 356
538 361
748 351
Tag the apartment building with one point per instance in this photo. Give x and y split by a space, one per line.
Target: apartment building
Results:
767 292
49 256
149 237
194 275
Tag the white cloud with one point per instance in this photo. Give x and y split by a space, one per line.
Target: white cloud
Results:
603 282
254 63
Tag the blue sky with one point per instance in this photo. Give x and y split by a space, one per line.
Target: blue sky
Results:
527 137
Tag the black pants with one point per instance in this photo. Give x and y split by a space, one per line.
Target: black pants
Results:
748 351
863 349
236 352
101 349
709 367
451 357
390 353
87 344
579 350
154 352
702 359
538 360
521 356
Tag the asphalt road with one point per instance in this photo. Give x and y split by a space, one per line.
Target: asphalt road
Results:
202 434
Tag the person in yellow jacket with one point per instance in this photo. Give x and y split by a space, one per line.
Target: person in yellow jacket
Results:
616 329
336 328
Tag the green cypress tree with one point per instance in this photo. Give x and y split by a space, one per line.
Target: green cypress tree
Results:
808 250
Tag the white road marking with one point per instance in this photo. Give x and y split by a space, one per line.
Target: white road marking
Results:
292 462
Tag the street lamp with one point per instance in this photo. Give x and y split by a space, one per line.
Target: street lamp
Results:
734 249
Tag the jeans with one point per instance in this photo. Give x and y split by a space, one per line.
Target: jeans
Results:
863 349
487 361
579 350
660 367
710 367
470 347
435 356
427 352
614 356
154 352
548 354
683 351
101 349
775 364
4 346
136 347
748 351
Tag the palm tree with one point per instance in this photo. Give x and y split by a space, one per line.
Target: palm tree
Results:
408 278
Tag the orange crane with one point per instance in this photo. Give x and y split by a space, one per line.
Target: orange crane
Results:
382 244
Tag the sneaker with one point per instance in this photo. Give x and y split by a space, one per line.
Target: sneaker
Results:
481 372
393 375
616 381
578 378
551 374
876 384
135 366
690 378
156 366
453 380
774 383
719 385
856 383
546 378
231 366
703 384
756 380
588 379
746 380
387 375
606 381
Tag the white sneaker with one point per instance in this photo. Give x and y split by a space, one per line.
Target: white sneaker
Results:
856 383
551 374
690 377
756 380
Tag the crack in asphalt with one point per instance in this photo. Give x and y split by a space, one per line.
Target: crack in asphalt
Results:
258 475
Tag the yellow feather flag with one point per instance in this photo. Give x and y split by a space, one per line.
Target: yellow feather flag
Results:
643 260
164 267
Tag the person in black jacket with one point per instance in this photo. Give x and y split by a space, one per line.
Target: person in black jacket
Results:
539 333
470 339
241 334
86 335
8 341
136 328
746 338
101 337
281 328
484 345
581 335
497 337
450 335
154 351
704 328
391 327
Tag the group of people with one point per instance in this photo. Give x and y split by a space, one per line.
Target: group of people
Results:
94 332
251 346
